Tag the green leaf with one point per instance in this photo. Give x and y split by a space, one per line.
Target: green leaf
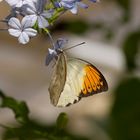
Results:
35 131
20 109
31 130
125 116
62 121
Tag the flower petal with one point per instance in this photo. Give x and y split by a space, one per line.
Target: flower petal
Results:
26 22
60 43
30 32
29 2
14 32
47 14
14 23
40 5
19 3
74 9
82 5
32 20
12 2
50 56
95 0
23 38
42 22
30 8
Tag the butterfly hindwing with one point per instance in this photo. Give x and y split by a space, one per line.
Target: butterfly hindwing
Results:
73 84
82 79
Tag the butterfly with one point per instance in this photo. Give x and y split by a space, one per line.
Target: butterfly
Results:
72 78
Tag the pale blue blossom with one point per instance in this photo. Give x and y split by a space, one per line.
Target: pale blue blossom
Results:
22 30
53 53
71 5
17 7
95 0
37 13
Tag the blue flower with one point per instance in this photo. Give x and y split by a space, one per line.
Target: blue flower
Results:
22 30
71 5
37 13
95 0
53 53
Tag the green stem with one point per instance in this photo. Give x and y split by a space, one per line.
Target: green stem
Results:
50 36
57 14
53 3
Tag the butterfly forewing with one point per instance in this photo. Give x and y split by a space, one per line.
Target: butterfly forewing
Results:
94 81
58 79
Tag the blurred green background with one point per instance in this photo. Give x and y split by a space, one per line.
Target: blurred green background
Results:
111 30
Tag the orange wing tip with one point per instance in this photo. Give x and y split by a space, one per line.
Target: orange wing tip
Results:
94 82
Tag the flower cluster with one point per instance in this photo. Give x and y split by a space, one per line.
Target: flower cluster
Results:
53 53
28 17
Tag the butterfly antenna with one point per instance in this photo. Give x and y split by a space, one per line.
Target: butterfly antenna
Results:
74 46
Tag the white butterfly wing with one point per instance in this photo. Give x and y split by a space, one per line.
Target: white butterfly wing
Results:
74 80
73 84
